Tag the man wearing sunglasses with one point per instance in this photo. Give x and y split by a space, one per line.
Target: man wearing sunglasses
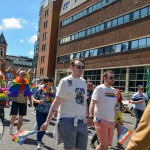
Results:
103 110
71 100
20 93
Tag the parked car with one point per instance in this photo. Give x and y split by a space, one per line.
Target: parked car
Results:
128 105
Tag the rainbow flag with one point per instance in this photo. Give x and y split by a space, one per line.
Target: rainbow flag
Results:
21 136
33 88
125 133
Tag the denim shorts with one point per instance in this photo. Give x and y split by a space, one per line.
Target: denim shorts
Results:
73 137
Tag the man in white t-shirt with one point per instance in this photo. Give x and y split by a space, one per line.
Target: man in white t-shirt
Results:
103 110
71 100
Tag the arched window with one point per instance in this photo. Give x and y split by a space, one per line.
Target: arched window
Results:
1 52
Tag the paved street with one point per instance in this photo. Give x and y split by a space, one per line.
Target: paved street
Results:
6 143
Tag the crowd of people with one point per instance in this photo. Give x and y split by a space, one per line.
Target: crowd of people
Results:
78 104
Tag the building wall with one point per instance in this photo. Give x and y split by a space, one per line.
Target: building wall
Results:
51 41
126 32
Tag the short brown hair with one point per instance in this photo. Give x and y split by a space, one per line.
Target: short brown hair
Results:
105 74
72 62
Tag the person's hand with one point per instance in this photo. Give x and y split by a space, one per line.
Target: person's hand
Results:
44 126
30 105
130 101
56 113
90 121
41 102
7 105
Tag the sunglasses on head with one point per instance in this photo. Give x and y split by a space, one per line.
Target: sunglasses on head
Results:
80 67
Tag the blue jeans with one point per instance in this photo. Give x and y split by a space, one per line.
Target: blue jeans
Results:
73 137
138 114
40 118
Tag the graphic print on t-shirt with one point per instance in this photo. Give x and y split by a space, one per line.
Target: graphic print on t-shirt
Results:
107 94
70 82
79 96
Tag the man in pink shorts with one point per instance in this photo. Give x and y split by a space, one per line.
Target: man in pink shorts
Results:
103 110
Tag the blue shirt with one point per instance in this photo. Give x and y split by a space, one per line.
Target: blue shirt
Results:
136 97
43 108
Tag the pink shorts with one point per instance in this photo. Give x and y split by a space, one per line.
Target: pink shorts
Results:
105 132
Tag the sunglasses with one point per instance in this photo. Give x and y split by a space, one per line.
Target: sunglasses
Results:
23 74
80 67
111 78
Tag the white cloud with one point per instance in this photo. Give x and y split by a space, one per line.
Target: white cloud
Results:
30 53
12 23
1 27
32 39
21 40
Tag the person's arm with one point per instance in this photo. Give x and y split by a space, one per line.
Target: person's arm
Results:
141 136
136 102
91 113
30 100
54 107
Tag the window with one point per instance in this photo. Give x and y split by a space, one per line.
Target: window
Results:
107 50
86 54
93 30
43 47
71 56
142 43
108 24
125 46
88 31
91 53
120 20
136 15
66 5
114 22
148 42
144 12
134 44
46 12
95 53
1 52
78 55
97 28
45 24
44 35
102 27
41 71
101 51
117 48
126 18
82 54
42 59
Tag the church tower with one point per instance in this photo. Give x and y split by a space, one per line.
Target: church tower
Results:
3 48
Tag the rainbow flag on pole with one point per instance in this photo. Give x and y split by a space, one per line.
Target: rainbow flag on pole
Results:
21 136
125 133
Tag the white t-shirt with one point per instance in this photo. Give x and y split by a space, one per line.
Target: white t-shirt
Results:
74 93
106 100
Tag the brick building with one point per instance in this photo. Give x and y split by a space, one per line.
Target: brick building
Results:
47 37
108 34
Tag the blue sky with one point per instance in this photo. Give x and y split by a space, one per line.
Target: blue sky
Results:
19 23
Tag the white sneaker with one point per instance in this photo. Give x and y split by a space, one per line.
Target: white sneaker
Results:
11 129
38 146
47 132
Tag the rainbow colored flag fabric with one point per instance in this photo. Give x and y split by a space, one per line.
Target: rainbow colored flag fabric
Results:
33 88
125 133
22 135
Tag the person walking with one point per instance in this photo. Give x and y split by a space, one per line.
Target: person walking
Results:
140 138
103 110
71 99
19 91
44 98
139 99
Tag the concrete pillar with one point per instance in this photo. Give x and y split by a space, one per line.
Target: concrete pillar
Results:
127 80
102 71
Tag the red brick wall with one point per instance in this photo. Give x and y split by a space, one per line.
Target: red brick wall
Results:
125 32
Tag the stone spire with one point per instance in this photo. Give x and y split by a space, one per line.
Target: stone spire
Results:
2 40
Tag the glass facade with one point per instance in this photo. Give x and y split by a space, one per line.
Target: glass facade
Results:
140 13
85 12
116 48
